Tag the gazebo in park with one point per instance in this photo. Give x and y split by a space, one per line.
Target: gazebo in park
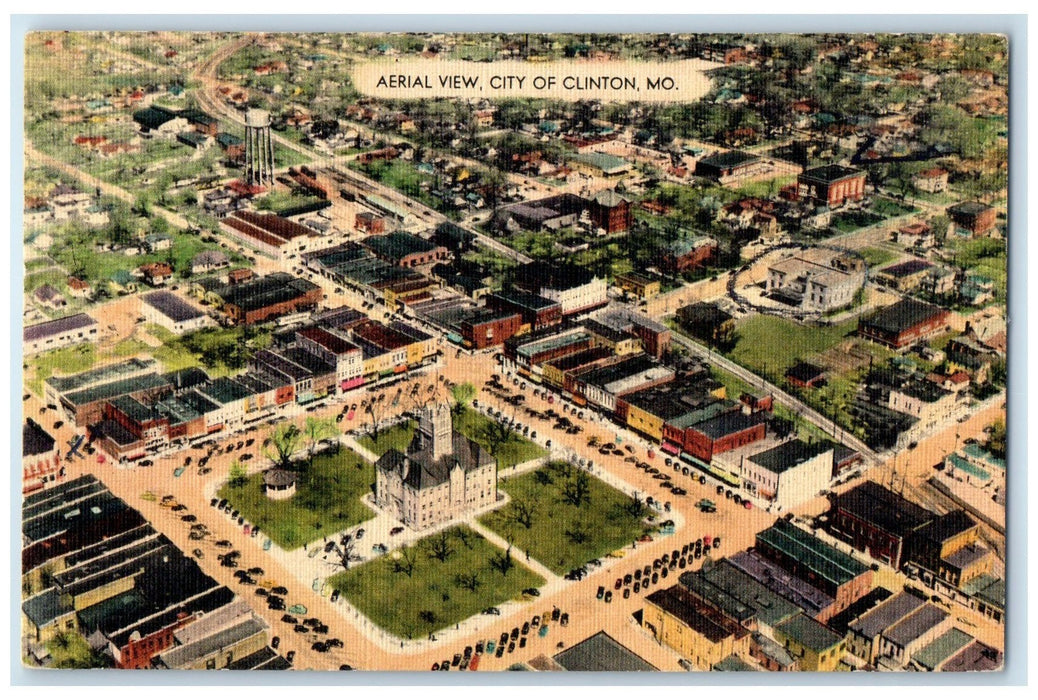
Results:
279 484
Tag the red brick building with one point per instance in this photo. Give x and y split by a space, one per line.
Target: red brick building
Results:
611 211
833 185
873 518
537 312
687 253
367 222
973 218
487 328
902 324
41 457
721 434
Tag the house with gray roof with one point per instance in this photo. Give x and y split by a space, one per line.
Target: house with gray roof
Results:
442 476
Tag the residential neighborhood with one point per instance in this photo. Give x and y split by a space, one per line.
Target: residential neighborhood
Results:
319 378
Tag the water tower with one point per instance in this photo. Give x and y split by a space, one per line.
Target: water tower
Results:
259 152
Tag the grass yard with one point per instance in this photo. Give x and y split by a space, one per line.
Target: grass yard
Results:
327 500
399 437
433 594
70 360
561 535
516 451
876 257
469 423
769 345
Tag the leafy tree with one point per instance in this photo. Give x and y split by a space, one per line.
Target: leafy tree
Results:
238 477
997 439
317 429
462 394
70 650
282 444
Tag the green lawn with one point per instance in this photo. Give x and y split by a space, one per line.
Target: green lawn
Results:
875 257
399 437
516 451
432 597
70 360
327 500
469 423
561 535
769 345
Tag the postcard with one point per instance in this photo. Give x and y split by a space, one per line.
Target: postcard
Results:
469 352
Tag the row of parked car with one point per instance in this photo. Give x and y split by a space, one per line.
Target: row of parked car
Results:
507 643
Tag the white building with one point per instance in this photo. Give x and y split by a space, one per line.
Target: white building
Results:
173 313
817 280
790 473
443 476
59 333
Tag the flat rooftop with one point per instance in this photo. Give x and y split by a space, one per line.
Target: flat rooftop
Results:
171 306
58 326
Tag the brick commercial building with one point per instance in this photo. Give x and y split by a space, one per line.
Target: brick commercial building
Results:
873 518
639 286
611 212
723 433
802 554
486 327
536 311
903 323
265 298
972 218
368 222
406 250
832 185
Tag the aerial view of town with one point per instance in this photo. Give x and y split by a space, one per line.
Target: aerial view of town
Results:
456 352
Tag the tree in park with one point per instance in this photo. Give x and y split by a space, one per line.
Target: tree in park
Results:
237 476
440 547
375 408
469 581
578 533
344 549
462 395
523 512
316 429
502 561
282 444
577 491
496 434
404 563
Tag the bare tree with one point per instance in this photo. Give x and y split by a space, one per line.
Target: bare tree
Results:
375 408
502 561
469 581
344 551
578 533
440 546
577 491
523 512
496 434
405 563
